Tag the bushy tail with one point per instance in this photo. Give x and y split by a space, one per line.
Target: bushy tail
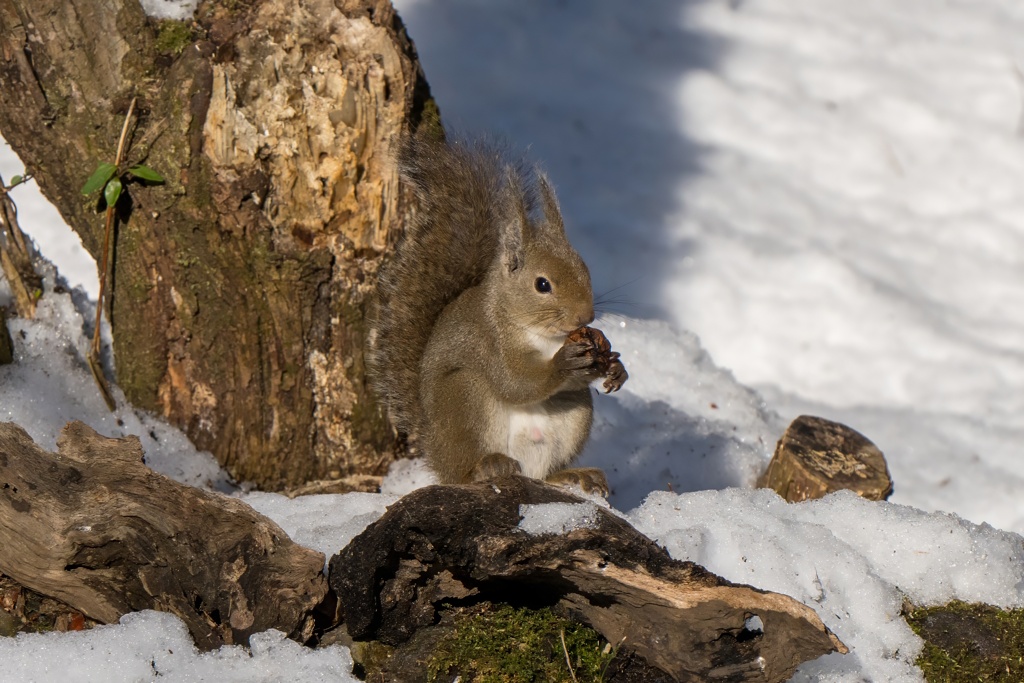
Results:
447 249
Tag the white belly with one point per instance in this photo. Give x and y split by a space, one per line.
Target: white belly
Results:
538 441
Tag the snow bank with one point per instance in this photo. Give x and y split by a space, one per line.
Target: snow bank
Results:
325 522
680 423
854 561
154 646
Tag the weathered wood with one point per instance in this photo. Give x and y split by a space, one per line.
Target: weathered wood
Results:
239 285
463 544
16 256
16 259
94 527
816 456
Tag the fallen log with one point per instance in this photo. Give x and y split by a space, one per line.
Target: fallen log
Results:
464 544
94 527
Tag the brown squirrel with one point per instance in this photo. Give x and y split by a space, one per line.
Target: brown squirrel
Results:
468 340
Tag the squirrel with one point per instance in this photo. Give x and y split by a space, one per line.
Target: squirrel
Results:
467 342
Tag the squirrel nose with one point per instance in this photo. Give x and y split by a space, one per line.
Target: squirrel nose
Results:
586 318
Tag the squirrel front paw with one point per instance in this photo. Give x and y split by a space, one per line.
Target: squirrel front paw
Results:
605 362
577 364
615 376
493 466
576 356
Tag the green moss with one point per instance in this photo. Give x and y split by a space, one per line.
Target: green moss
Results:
186 261
511 645
370 656
969 642
173 37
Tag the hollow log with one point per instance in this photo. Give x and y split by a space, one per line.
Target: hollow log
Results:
92 526
464 544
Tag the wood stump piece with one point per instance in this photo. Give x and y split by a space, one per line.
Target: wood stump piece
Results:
463 544
94 527
817 456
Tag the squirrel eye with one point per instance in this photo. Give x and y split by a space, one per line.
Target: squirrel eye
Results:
542 285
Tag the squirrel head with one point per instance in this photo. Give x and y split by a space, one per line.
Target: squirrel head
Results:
540 285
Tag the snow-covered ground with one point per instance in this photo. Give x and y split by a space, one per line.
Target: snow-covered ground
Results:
800 207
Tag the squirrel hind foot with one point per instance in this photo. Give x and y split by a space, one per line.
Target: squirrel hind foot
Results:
590 479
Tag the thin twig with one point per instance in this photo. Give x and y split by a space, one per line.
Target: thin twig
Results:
108 230
106 235
561 634
124 133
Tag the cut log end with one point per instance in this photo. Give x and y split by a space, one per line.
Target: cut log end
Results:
816 456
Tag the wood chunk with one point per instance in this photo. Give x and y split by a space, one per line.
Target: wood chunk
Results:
94 527
817 456
462 544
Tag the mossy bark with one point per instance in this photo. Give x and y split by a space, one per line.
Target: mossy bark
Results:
238 286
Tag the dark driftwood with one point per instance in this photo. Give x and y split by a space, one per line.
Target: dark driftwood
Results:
463 544
817 456
94 527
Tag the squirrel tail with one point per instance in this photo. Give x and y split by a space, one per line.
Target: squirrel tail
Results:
448 247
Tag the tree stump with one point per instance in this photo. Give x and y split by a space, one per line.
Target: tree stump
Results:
464 544
817 456
95 528
238 286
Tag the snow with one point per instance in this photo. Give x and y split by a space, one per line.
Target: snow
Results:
557 518
791 208
324 522
854 561
181 10
147 646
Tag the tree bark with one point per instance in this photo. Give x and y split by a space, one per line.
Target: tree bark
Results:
95 528
238 286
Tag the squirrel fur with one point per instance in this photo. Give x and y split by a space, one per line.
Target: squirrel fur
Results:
467 346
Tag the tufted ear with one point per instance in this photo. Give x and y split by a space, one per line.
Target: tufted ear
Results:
512 221
552 214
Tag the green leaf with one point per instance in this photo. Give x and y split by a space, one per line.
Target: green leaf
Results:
16 180
112 191
99 177
146 173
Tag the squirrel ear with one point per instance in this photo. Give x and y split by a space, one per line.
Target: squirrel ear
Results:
512 220
552 214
